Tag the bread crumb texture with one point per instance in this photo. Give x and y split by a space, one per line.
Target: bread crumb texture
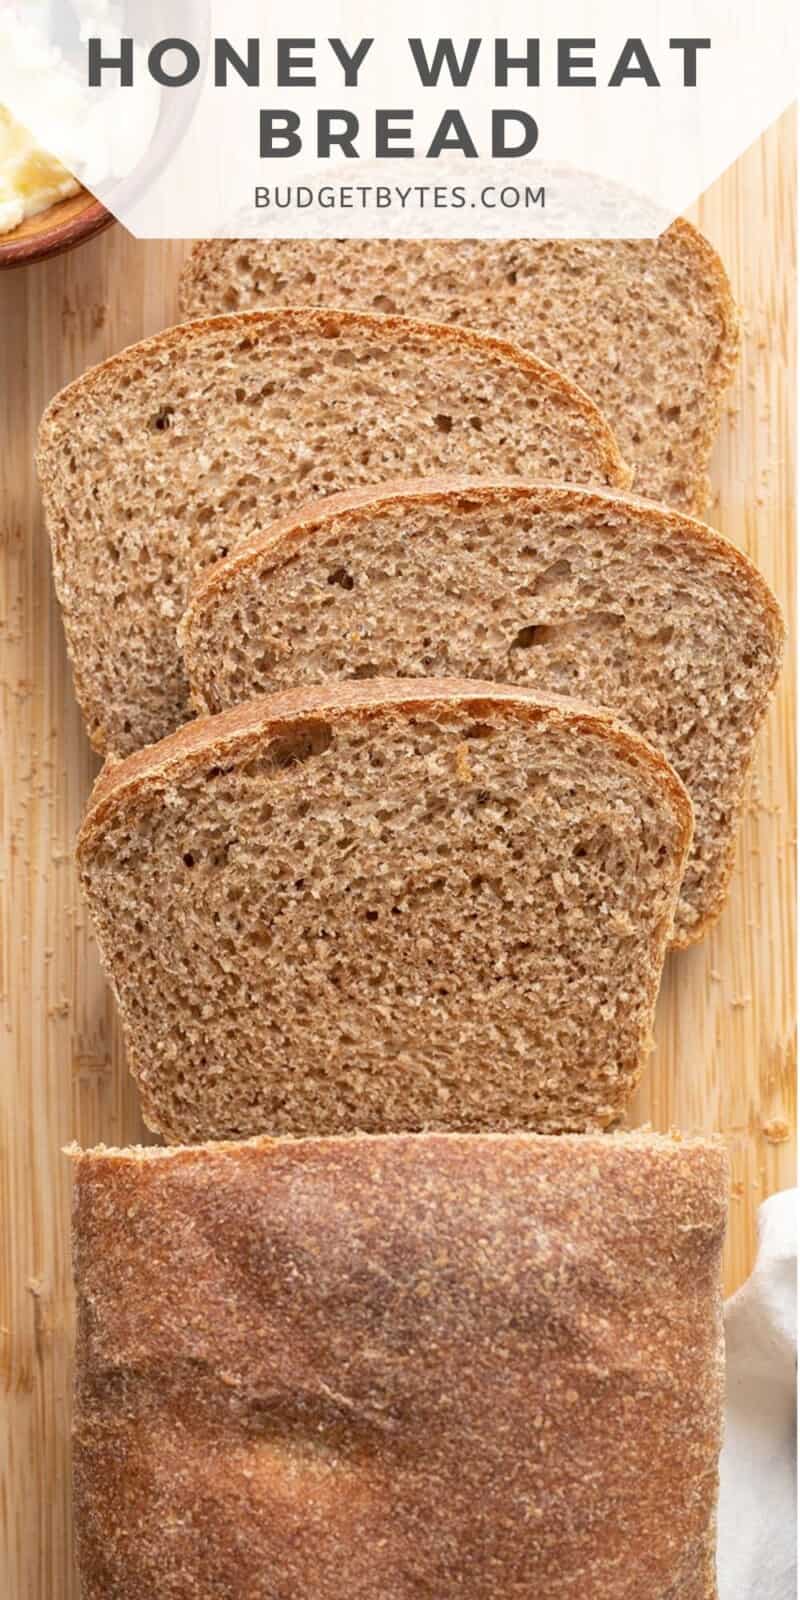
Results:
167 456
647 326
389 1367
570 590
387 906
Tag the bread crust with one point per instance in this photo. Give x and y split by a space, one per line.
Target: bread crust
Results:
381 1367
729 347
165 343
226 736
729 310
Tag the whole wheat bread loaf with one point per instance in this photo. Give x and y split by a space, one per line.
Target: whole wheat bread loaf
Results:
571 590
382 1368
387 906
166 457
647 326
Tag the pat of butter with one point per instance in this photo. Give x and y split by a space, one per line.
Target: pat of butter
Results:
30 179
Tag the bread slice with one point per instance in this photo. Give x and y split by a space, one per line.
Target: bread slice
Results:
168 456
386 1368
571 590
387 906
647 326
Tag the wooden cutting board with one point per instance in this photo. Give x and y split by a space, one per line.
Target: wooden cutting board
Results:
723 1058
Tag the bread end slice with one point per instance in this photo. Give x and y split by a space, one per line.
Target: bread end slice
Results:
405 1365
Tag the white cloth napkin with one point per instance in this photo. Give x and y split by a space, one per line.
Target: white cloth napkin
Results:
757 1552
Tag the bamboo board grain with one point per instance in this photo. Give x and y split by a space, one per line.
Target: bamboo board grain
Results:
724 1050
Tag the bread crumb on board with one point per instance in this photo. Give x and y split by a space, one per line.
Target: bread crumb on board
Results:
777 1131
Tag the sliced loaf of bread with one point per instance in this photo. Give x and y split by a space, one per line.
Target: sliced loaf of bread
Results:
571 590
168 456
400 1369
387 906
647 326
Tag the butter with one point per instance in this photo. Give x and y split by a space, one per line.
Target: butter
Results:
30 179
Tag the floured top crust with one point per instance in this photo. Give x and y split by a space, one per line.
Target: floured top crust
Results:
428 1364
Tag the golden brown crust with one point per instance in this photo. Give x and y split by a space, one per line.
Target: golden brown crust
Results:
728 351
614 467
643 1137
223 737
386 1367
730 315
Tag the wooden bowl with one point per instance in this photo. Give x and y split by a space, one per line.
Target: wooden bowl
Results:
61 227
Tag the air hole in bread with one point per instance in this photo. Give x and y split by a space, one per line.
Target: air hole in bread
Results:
553 575
163 419
443 423
528 637
312 740
342 577
595 622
